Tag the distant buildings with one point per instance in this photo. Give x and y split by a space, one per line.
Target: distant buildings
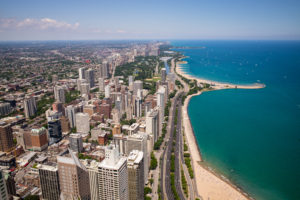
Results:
135 166
137 85
103 70
49 181
83 123
163 75
76 142
113 176
138 107
90 77
6 137
81 72
29 106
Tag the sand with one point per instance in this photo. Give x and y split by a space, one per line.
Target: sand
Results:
215 84
209 185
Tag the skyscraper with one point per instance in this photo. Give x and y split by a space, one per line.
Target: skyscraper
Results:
39 140
76 142
5 108
113 176
130 82
163 74
101 84
138 107
85 88
71 115
90 77
136 179
107 91
92 167
73 178
59 94
138 141
29 106
49 181
83 123
6 137
161 106
104 70
81 72
54 131
3 189
137 85
152 124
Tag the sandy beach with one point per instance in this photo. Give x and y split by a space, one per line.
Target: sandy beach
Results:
216 85
210 186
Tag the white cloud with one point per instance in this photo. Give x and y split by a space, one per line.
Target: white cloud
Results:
38 24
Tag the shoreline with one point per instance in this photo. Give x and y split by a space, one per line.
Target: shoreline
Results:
208 183
215 84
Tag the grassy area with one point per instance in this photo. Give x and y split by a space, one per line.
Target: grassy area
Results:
184 183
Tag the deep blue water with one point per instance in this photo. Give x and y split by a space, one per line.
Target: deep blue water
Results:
250 136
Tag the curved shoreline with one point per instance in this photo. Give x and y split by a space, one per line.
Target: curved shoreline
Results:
215 84
209 184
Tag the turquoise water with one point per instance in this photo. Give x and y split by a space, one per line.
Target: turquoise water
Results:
250 136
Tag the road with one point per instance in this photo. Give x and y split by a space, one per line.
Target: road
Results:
168 194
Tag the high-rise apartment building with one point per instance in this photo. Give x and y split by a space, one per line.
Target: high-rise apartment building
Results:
5 108
65 125
73 178
138 141
101 84
152 123
85 88
76 144
92 167
49 181
136 179
59 94
103 71
137 85
113 176
71 115
3 189
39 139
6 137
138 107
107 91
83 123
90 77
81 72
29 106
54 131
163 75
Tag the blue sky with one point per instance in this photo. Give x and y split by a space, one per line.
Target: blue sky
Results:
149 19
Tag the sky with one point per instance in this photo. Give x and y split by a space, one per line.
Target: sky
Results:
149 19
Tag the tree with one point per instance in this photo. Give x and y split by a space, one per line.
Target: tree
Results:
153 163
